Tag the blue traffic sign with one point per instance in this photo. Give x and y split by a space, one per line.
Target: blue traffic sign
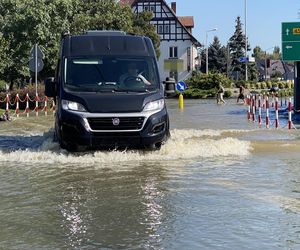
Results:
181 86
243 59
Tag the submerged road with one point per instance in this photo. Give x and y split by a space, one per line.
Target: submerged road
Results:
220 182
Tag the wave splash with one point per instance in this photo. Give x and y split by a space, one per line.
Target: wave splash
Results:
183 144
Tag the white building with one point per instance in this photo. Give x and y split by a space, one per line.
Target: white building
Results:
178 46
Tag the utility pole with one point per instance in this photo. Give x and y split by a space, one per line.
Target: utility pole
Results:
206 51
246 43
228 59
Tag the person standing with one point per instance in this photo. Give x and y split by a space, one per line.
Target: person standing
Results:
241 94
220 94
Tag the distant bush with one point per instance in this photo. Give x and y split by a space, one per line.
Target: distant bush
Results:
227 94
208 81
258 85
263 85
288 85
199 93
269 84
281 85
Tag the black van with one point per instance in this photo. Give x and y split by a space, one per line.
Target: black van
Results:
108 93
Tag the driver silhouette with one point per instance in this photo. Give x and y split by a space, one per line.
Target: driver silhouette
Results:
133 75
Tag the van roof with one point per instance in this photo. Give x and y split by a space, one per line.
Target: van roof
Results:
107 43
105 33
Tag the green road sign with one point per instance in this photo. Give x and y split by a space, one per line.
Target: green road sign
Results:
290 35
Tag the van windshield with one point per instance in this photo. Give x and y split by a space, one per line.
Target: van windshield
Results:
111 74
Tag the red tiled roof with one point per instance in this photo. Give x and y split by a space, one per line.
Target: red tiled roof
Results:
187 21
129 2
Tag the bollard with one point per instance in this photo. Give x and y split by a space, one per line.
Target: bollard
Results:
259 109
253 109
7 103
27 105
45 108
249 108
36 109
290 114
267 112
181 104
53 107
17 105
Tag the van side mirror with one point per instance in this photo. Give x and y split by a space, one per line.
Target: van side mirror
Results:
50 87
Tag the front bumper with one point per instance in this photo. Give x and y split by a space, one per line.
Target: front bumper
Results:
75 129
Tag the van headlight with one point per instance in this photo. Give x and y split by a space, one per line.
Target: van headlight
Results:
157 105
69 105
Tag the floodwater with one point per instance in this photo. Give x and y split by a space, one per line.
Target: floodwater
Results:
220 182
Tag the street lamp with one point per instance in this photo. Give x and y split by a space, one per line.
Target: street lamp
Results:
266 62
206 45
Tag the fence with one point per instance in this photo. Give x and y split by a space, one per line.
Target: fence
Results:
40 104
265 104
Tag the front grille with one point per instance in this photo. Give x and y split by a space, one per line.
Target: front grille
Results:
126 123
116 139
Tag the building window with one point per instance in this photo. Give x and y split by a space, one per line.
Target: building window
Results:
160 29
167 29
146 8
173 52
152 8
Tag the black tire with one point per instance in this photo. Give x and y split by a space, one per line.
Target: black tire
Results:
154 146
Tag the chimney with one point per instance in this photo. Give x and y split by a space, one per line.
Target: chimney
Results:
173 6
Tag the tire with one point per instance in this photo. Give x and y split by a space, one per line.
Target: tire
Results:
154 146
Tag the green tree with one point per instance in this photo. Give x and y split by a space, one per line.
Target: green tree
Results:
217 56
101 15
237 48
5 60
276 55
258 53
24 23
142 26
237 44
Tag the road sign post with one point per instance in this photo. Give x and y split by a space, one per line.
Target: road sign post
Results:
181 86
36 63
290 34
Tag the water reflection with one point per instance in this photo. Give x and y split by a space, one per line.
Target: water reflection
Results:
112 208
153 210
76 215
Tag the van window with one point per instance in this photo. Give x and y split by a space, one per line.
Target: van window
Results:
89 74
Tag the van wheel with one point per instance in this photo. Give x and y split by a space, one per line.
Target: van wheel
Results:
154 146
71 147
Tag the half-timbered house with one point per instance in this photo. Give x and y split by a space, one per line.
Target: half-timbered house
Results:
178 46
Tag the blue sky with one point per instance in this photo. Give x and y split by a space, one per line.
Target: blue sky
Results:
264 18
